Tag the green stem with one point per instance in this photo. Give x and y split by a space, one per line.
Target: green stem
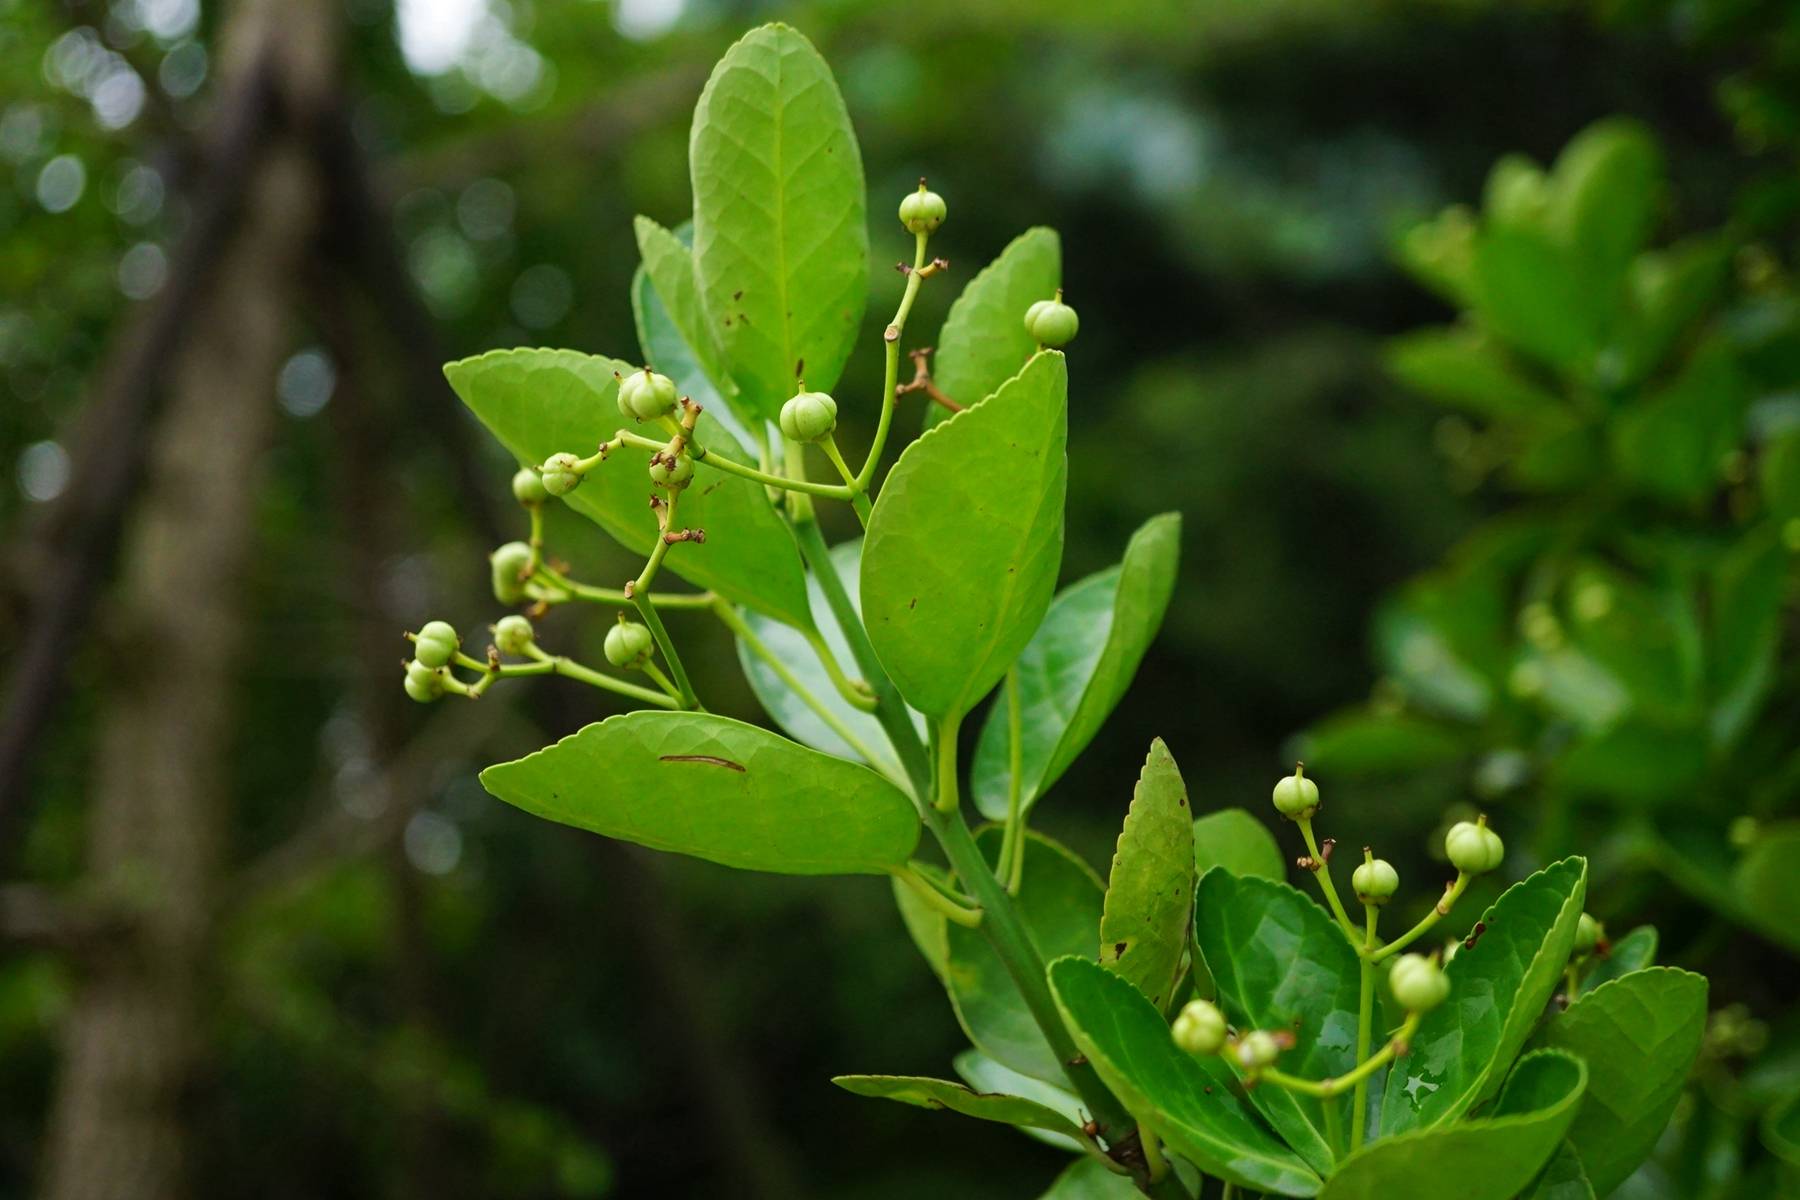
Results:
640 599
935 899
732 621
536 541
1154 1162
1324 1089
946 796
891 370
1012 848
616 596
661 680
859 499
1438 913
1365 1019
550 664
855 693
831 491
1321 870
1334 1128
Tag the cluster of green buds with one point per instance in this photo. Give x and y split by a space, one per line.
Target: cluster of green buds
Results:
427 674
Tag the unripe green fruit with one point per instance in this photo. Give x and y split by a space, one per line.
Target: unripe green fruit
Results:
644 395
1375 881
1419 985
1588 933
513 635
528 487
808 417
435 644
508 565
628 645
422 683
1052 323
1199 1028
922 211
1257 1049
1473 848
1296 796
560 477
676 476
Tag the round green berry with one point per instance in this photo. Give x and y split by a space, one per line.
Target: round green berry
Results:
1199 1028
674 476
1375 881
1419 985
628 645
509 565
808 417
922 211
1588 933
528 487
1473 848
513 635
560 477
436 643
1296 797
1052 323
422 683
1257 1049
644 396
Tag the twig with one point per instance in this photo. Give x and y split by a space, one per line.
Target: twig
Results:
921 380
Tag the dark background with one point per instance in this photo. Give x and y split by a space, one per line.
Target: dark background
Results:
373 979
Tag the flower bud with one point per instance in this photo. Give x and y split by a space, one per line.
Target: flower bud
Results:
674 476
1296 796
1419 985
1375 881
435 643
1257 1049
1473 848
922 211
628 645
644 395
513 635
1052 323
808 417
422 683
560 477
528 487
508 565
1588 933
1199 1028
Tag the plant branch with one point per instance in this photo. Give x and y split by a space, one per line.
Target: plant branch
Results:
1325 1089
915 275
1320 865
1452 892
936 900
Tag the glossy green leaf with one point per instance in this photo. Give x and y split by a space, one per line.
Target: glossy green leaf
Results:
1668 291
963 547
1492 1158
1235 840
1639 1036
983 342
1530 294
1060 900
1633 952
924 1092
781 241
789 645
1191 1102
1606 195
985 1075
1087 1179
1279 962
717 789
542 402
1464 369
1150 890
1076 668
673 330
1674 443
1498 990
1561 1179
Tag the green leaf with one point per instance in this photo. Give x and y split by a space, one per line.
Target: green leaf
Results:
1087 1179
1464 369
1360 741
1076 668
673 330
1639 1036
983 342
1674 443
1498 990
1530 294
1191 1102
1778 476
1150 891
781 242
1235 840
1763 882
1668 290
717 789
924 924
1060 901
924 1092
1492 1158
1633 952
1749 586
1561 1179
1279 962
963 547
791 646
1780 1129
1605 196
985 1075
542 402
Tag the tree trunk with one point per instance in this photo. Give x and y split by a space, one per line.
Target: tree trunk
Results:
160 819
